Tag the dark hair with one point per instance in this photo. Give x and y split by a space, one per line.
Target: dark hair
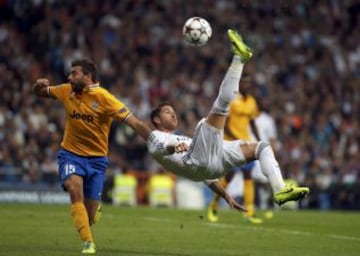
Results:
156 111
87 67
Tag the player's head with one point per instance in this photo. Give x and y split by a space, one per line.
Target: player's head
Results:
163 117
245 84
83 72
263 104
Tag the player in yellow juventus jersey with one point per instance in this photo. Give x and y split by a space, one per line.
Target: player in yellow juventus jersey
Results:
90 110
243 110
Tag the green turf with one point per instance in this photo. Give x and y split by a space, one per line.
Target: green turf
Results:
47 230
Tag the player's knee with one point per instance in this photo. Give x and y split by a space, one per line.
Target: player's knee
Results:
247 175
248 150
261 145
74 187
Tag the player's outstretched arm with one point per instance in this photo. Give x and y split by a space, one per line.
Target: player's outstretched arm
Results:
40 87
217 188
139 127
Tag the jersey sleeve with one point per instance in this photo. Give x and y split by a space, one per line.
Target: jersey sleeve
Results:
60 91
116 108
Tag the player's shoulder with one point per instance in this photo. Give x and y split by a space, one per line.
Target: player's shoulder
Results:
251 98
237 100
101 90
105 95
238 97
158 133
156 136
164 135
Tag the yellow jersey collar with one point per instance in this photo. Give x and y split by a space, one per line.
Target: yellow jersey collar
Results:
91 86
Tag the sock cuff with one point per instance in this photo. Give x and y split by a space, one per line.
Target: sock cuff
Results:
237 61
260 147
77 205
218 111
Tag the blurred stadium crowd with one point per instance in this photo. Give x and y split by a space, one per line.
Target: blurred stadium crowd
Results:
306 71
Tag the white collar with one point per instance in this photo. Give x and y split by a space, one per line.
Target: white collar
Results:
92 86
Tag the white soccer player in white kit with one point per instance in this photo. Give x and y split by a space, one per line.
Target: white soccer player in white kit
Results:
206 156
267 131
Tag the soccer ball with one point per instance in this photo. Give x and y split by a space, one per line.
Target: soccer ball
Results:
197 31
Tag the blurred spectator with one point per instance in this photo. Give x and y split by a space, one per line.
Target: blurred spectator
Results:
48 170
306 65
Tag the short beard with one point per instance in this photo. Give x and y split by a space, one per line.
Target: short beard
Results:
78 87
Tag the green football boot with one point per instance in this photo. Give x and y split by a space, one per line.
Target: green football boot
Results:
212 215
239 47
290 193
89 248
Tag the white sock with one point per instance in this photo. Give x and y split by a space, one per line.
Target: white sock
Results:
229 87
269 166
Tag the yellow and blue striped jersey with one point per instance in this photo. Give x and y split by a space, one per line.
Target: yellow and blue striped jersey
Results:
88 118
242 110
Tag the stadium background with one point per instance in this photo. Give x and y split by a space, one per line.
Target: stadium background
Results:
306 69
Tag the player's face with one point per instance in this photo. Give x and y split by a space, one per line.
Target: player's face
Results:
244 86
167 118
77 79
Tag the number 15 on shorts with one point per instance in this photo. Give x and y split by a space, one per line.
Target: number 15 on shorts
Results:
69 169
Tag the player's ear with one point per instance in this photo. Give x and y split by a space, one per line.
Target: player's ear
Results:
156 120
89 77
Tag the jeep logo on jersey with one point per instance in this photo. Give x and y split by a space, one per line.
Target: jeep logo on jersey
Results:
88 118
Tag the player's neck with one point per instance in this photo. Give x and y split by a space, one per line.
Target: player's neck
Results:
162 129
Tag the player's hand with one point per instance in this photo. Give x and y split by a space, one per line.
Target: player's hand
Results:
39 84
181 147
43 81
235 205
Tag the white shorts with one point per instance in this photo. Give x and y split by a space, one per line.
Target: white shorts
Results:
210 153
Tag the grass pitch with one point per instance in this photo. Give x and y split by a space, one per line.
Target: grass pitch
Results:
47 230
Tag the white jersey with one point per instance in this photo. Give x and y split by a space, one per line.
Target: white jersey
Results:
157 143
266 127
209 156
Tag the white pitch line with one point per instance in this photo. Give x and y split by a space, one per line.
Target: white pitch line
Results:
341 237
287 231
158 219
